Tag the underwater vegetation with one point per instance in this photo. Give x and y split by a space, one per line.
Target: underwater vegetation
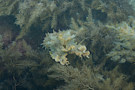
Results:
124 45
89 78
67 45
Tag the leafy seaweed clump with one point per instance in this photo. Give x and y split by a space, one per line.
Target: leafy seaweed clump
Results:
124 49
88 78
103 30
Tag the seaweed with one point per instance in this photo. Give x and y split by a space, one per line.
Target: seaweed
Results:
123 50
103 30
89 78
